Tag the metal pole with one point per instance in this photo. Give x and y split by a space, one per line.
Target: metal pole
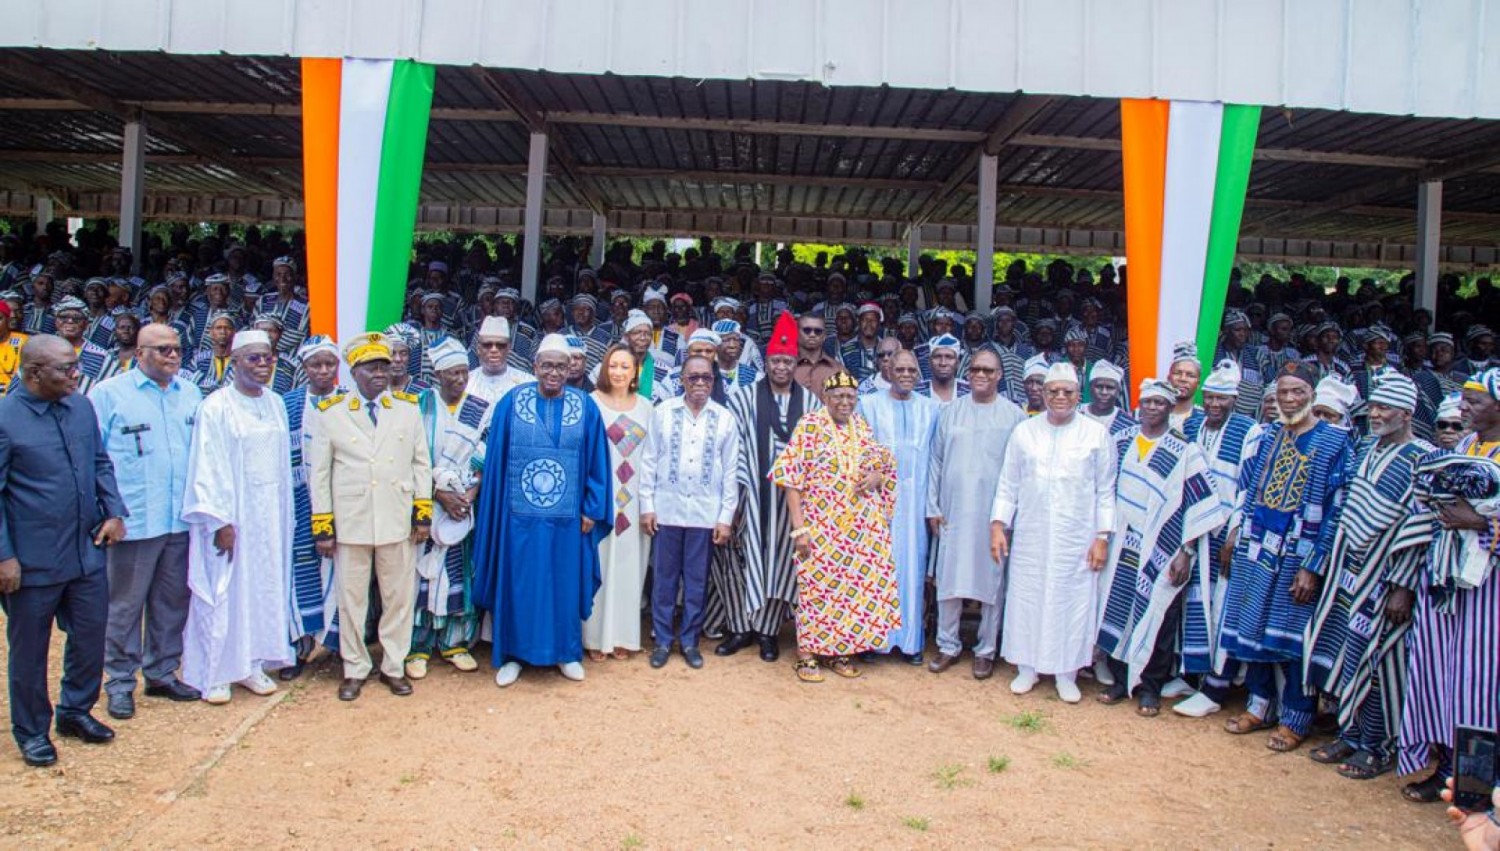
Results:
133 190
536 178
44 213
913 250
1429 238
984 254
596 256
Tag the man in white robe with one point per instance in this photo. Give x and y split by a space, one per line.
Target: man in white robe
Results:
495 376
238 508
1056 500
967 453
905 422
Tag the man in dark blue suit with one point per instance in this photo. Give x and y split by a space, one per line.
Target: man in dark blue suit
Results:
58 509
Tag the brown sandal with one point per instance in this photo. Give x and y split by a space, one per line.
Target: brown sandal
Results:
1284 740
596 655
844 667
1246 722
808 672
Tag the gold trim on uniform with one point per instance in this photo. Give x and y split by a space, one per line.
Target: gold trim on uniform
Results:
322 526
421 512
331 401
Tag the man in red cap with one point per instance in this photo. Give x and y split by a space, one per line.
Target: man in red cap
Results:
753 577
814 364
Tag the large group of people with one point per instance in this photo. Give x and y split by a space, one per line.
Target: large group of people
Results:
209 496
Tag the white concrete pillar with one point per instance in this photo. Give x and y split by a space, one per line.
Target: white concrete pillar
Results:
596 254
536 181
44 212
1429 241
133 190
984 252
913 250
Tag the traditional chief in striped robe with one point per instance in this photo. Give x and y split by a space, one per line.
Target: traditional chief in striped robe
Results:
1355 640
1165 510
1292 483
583 310
754 577
457 424
1455 643
1227 439
314 597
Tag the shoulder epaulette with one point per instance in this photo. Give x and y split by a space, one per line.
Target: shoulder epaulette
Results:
404 396
331 401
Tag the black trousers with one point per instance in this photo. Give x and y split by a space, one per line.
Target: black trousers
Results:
81 609
1160 670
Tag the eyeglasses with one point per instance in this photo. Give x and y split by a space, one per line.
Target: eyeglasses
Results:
494 345
815 332
1449 425
1059 392
884 355
260 358
983 370
68 368
70 317
697 379
164 351
552 367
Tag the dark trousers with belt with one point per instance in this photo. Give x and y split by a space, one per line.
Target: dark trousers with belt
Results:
81 608
147 578
681 561
1160 670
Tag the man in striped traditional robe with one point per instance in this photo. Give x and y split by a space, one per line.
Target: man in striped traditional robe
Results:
1291 485
1165 510
314 596
1227 438
1355 640
753 577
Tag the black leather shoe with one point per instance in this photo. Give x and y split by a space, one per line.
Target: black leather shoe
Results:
693 657
659 655
121 706
399 686
912 658
349 688
38 751
291 672
770 648
175 690
85 728
734 643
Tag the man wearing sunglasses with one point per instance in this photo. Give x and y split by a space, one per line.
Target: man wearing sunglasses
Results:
495 376
814 364
146 418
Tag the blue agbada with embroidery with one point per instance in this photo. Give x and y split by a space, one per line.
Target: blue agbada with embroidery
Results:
546 467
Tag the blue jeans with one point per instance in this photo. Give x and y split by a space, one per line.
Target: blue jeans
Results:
681 563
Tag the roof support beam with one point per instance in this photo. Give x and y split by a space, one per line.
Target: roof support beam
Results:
38 75
772 128
1016 117
535 121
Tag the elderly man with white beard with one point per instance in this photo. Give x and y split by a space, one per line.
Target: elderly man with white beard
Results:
1064 463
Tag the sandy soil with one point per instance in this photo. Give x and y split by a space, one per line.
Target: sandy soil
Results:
737 755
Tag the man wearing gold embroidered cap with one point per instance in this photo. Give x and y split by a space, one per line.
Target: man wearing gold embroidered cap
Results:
371 490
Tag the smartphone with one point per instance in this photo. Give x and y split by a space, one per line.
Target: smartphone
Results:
1473 768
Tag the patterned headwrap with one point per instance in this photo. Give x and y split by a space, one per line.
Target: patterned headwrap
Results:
1224 380
1186 350
703 335
1233 317
448 354
726 303
1486 382
70 304
726 327
315 343
216 315
945 341
636 319
1076 334
584 299
1396 390
576 345
1105 371
1278 317
1477 331
840 379
1448 409
1442 338
270 318
1335 395
284 261
402 334
1155 388
1036 367
870 307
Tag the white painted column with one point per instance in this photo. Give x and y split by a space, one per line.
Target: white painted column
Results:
133 190
1429 239
913 250
984 253
536 178
596 254
44 212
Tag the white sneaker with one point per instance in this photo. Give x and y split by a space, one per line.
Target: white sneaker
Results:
1178 687
259 683
416 668
1199 705
1023 683
508 674
218 695
1067 690
1102 672
572 670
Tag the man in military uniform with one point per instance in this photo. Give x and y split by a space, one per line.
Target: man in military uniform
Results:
371 481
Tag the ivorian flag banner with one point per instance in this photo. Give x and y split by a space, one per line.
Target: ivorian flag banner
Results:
1187 167
364 137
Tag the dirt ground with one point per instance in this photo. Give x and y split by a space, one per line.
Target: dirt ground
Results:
737 755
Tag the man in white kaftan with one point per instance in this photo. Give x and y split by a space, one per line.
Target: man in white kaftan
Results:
968 451
1056 501
495 376
905 422
238 508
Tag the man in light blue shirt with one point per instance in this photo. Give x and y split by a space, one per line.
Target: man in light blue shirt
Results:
146 419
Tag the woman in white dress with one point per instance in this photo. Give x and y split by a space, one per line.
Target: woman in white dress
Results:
615 626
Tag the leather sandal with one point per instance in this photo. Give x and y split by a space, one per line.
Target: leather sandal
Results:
1246 722
808 671
1284 739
